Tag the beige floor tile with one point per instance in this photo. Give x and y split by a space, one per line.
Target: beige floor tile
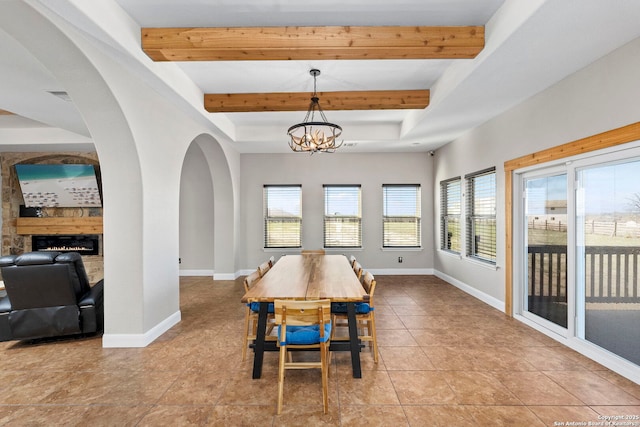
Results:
439 416
445 359
535 388
395 337
479 388
388 321
196 388
546 358
177 415
405 358
415 310
504 416
592 389
496 359
374 388
554 416
247 415
625 384
373 416
422 388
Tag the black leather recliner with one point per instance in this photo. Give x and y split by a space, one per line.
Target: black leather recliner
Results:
48 295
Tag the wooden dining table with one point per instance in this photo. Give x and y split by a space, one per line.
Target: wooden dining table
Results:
308 277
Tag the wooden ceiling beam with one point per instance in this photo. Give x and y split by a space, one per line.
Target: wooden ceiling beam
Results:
360 100
311 43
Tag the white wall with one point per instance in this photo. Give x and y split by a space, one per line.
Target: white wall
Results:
602 96
196 215
368 170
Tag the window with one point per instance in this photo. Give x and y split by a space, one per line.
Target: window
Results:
450 211
481 215
282 216
401 216
342 216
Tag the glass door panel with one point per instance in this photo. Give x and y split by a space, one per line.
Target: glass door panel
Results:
545 284
608 217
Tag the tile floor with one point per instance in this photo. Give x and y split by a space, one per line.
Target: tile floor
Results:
446 359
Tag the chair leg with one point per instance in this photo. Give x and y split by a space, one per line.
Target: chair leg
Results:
283 355
333 330
246 333
372 330
325 377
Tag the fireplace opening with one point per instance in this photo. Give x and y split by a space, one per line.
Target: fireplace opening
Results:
86 244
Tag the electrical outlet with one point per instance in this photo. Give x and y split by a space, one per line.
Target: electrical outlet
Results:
179 260
400 259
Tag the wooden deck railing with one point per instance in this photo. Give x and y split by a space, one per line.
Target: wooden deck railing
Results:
611 273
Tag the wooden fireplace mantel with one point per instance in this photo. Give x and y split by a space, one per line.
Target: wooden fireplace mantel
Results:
59 225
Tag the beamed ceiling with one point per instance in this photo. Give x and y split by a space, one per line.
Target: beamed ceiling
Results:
313 43
397 75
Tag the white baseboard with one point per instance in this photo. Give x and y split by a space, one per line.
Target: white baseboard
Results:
210 273
488 299
401 271
200 273
141 340
225 276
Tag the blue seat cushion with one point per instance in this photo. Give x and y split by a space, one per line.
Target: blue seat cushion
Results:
255 306
341 307
301 335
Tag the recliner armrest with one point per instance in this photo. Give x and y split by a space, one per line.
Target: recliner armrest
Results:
94 296
7 260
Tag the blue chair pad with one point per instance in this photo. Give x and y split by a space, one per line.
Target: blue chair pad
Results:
255 306
302 335
341 307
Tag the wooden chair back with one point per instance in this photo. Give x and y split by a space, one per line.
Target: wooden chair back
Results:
312 252
369 285
357 269
302 313
251 280
263 268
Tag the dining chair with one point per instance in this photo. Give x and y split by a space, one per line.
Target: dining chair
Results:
272 260
251 315
352 260
357 269
303 325
365 315
312 252
264 267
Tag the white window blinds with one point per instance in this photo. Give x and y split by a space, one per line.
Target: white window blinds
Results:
401 216
342 216
282 216
480 209
450 211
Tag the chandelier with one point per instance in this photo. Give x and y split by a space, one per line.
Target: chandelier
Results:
314 136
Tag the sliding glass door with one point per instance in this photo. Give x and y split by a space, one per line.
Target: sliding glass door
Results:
608 256
545 247
578 270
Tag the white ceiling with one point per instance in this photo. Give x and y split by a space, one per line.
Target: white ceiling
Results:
530 45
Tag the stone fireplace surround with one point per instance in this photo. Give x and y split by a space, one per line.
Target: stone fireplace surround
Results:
14 243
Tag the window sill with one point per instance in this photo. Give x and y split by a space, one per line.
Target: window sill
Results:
483 263
450 254
409 249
